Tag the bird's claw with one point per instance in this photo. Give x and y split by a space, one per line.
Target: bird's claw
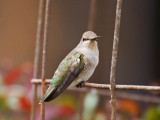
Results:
80 85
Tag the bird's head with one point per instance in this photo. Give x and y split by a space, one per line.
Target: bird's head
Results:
89 36
89 40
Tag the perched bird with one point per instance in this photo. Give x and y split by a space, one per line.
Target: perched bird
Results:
76 67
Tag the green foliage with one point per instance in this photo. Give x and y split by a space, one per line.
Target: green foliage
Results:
153 113
3 105
90 104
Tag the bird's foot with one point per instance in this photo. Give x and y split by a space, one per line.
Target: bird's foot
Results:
80 85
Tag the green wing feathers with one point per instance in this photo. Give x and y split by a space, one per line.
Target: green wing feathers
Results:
66 72
48 92
69 61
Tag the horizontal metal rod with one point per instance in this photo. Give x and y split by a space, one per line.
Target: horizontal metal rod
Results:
123 95
107 86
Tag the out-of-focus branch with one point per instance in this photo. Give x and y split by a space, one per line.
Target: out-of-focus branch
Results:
124 95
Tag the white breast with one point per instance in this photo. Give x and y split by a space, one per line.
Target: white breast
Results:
91 58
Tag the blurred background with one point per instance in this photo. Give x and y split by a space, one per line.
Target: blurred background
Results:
138 56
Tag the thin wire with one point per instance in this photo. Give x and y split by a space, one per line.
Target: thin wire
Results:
37 54
114 58
44 58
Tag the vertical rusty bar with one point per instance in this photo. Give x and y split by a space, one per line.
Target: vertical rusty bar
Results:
34 97
37 54
114 58
44 57
92 15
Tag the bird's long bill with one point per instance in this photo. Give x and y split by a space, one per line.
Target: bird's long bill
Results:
96 38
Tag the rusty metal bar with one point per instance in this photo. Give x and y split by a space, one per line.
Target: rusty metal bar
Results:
44 57
114 58
34 98
143 98
37 54
123 87
124 95
108 86
137 97
92 15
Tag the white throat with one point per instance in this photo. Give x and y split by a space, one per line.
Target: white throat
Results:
88 46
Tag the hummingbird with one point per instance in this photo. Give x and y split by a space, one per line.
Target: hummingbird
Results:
76 68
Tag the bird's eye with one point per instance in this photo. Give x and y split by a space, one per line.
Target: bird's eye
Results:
84 39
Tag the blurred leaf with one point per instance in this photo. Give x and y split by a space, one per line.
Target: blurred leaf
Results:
90 103
152 113
128 106
1 81
100 116
3 105
66 100
12 76
25 103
